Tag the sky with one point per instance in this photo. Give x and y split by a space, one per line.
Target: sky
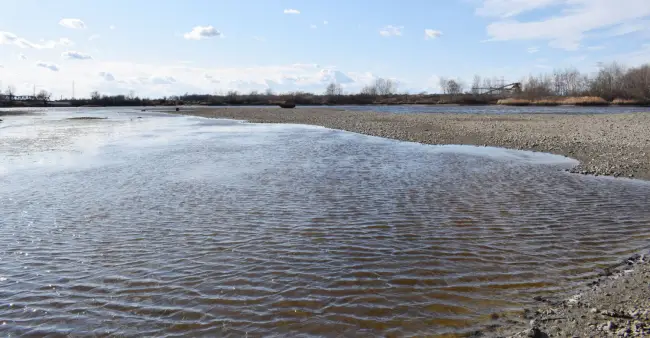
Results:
165 47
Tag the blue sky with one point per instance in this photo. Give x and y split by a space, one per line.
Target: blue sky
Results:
169 47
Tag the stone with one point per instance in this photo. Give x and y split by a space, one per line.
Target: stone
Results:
610 326
535 333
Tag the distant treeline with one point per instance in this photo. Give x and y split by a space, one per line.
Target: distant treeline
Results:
613 83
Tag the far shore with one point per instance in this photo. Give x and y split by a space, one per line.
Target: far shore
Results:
605 144
505 103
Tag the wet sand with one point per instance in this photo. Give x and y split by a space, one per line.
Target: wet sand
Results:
617 145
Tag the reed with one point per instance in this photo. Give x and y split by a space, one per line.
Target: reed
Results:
546 102
585 101
627 102
514 102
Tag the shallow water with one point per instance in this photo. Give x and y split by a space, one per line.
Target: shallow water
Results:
174 225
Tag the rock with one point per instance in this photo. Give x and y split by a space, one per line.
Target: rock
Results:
610 326
535 333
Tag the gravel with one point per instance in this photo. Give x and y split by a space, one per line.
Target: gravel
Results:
615 305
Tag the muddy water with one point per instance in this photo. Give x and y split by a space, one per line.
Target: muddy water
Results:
180 226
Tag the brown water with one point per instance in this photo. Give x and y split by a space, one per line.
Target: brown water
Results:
177 226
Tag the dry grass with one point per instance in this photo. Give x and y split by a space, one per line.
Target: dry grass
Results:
585 101
626 102
576 101
514 102
524 102
546 102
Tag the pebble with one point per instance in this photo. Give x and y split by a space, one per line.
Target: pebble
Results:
609 326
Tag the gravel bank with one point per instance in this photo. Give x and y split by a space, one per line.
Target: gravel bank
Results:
616 305
615 145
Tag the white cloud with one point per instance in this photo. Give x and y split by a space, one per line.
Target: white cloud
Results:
7 38
72 23
211 79
594 48
47 65
111 27
65 42
22 56
432 34
156 80
76 55
628 28
161 80
202 32
325 22
391 30
635 58
93 37
568 27
509 8
533 50
107 76
313 26
259 38
291 11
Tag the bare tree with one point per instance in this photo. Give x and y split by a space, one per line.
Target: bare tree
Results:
369 90
385 86
608 83
454 87
636 83
11 92
476 84
333 89
232 96
537 87
44 96
444 85
95 96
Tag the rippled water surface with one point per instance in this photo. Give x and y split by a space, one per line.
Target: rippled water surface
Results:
171 225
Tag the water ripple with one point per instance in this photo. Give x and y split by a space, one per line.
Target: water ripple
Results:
265 230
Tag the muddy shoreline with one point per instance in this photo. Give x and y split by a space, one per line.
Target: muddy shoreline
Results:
617 304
